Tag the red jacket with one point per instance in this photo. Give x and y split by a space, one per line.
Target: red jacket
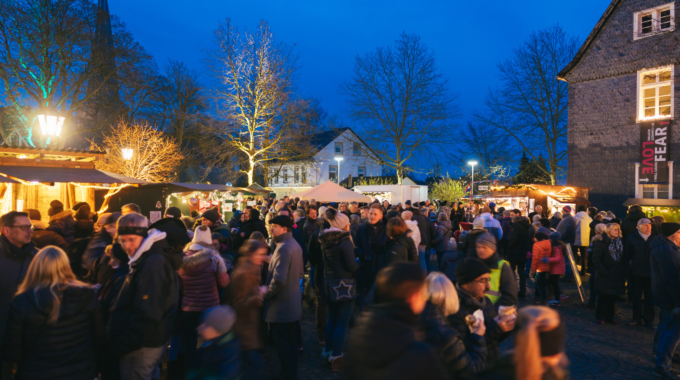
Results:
201 274
541 249
557 260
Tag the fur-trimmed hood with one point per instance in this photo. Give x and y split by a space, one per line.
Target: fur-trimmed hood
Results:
332 236
201 257
62 215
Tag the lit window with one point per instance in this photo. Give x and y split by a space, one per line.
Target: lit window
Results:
656 20
655 96
297 174
655 192
356 150
332 173
338 148
285 175
304 175
362 172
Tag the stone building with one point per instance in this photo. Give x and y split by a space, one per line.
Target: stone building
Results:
622 85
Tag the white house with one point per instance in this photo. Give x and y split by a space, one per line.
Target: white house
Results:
357 160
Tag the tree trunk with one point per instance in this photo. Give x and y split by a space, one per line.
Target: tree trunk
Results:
251 171
400 175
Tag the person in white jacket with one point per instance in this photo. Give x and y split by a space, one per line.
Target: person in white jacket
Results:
492 225
412 226
582 238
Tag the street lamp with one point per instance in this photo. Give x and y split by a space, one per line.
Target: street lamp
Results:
472 184
50 123
338 159
127 153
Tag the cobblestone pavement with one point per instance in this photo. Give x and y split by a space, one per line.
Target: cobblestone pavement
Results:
595 352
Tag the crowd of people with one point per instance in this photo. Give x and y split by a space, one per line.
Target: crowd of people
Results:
112 296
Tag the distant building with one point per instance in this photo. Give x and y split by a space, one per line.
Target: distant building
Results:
622 137
357 159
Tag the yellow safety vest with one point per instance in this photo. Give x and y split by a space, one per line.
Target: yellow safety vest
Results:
494 292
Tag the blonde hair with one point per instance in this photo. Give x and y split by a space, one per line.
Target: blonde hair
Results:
441 293
532 320
610 227
50 268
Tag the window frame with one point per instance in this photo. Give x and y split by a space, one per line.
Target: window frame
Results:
656 21
640 188
285 175
356 149
641 87
359 168
335 148
332 172
296 174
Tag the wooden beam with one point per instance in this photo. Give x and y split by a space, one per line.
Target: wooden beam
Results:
6 161
48 152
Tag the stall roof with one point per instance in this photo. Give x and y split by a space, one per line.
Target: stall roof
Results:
331 192
55 174
205 187
574 200
255 188
652 202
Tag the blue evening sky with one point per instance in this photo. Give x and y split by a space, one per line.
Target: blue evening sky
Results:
469 37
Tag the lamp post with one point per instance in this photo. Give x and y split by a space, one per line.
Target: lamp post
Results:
50 123
127 153
338 159
472 184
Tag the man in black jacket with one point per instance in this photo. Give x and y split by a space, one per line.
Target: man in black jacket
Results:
519 245
142 315
383 346
636 250
473 283
252 224
665 270
16 253
629 225
372 247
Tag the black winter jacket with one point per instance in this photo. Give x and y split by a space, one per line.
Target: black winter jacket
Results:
96 247
637 250
629 225
450 261
508 284
84 229
468 242
146 306
63 224
521 240
383 346
554 222
308 229
401 249
252 225
427 233
372 243
65 349
338 256
493 336
315 257
611 275
460 362
14 262
444 231
43 238
506 226
665 268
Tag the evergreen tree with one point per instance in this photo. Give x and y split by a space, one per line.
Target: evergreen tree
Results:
532 171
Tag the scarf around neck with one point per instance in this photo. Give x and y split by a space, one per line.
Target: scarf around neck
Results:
154 236
616 249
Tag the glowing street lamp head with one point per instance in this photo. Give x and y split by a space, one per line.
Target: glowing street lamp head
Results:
51 124
339 159
127 153
472 163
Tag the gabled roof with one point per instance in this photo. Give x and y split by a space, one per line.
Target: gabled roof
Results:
322 139
591 37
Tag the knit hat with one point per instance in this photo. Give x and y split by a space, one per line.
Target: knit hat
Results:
220 318
175 212
408 202
212 215
283 221
555 236
55 208
470 269
566 209
487 240
668 228
492 205
202 236
336 219
478 224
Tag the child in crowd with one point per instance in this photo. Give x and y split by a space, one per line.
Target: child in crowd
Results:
219 357
557 266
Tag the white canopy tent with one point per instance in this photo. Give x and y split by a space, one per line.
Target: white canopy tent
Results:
332 192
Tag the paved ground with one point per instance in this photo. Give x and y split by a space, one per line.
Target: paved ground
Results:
595 352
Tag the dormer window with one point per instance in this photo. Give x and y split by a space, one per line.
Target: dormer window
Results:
653 21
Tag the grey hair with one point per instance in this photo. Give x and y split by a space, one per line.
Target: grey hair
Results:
442 293
536 218
506 212
452 244
299 213
406 215
354 219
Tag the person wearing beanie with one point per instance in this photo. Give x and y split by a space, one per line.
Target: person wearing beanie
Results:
665 269
473 284
61 221
340 281
213 220
173 212
503 286
273 212
202 236
283 302
41 237
95 260
220 355
540 264
539 349
567 226
467 239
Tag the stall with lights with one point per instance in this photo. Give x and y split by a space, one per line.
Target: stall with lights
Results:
527 197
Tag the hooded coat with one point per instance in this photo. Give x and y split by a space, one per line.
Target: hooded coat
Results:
383 346
337 252
252 225
42 238
542 249
147 304
63 224
96 247
426 228
461 362
401 249
520 240
450 261
202 273
582 234
415 231
611 275
218 358
66 349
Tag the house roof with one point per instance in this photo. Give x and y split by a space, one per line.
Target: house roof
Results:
322 139
591 37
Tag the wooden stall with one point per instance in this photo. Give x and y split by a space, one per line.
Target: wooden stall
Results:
527 197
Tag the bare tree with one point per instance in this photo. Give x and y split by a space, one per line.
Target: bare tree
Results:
46 57
255 75
486 144
531 104
403 102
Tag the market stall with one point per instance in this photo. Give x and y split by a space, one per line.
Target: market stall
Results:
527 197
332 192
668 208
394 193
